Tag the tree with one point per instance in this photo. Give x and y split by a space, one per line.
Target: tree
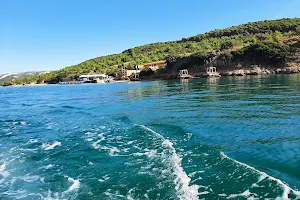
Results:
253 40
298 30
268 53
277 36
261 36
171 59
226 45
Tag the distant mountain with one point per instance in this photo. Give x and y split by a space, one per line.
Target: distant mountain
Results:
20 75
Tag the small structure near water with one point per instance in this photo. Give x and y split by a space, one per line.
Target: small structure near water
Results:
184 74
93 78
125 74
71 82
212 72
134 77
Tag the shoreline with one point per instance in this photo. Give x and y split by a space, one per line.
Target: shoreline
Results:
164 77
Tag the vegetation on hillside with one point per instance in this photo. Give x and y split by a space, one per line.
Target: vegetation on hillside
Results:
256 42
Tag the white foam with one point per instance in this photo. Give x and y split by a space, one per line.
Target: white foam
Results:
48 166
113 150
3 173
2 167
96 144
130 142
101 135
104 178
16 194
75 185
149 153
202 193
129 197
286 189
29 179
184 190
245 194
91 163
115 195
31 141
52 146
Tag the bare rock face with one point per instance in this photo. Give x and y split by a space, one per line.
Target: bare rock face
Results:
293 70
288 70
239 72
257 70
251 72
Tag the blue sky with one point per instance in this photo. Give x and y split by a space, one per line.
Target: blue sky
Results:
52 34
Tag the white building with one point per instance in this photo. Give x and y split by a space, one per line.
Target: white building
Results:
94 78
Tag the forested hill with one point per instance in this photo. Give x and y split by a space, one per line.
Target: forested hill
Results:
270 34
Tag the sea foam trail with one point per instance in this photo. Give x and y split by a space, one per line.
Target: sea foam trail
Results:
184 190
286 189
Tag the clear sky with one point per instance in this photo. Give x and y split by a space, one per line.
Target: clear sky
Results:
52 34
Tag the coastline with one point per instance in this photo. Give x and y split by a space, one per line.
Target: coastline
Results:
223 73
243 71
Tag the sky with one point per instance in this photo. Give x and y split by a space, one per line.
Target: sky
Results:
52 34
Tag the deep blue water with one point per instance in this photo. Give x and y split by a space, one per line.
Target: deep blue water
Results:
227 138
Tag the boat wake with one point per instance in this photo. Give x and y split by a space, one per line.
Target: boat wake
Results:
286 189
184 190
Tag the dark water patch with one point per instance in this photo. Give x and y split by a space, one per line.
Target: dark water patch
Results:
272 140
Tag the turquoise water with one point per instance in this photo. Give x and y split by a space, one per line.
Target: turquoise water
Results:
227 138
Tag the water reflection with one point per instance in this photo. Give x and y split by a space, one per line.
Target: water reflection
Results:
185 84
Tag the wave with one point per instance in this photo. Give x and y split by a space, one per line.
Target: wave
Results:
96 144
29 179
3 173
184 190
68 194
48 166
104 178
19 123
75 185
286 189
48 147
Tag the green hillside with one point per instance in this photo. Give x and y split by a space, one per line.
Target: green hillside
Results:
263 42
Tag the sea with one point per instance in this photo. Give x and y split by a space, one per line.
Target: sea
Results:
224 138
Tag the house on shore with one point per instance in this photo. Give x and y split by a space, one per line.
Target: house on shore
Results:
125 73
